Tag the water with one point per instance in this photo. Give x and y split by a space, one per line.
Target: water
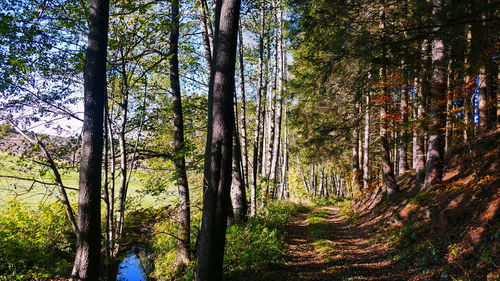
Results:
132 267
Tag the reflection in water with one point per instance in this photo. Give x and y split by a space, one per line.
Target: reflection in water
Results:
132 268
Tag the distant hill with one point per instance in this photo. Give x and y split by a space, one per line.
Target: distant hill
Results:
61 148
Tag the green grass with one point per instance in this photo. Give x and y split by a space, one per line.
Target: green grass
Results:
35 194
318 225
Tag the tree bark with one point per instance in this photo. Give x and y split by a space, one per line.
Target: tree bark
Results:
356 179
403 147
244 135
184 232
366 145
238 191
258 122
239 204
422 96
217 182
437 108
88 244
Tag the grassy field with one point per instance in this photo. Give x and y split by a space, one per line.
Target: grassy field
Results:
36 193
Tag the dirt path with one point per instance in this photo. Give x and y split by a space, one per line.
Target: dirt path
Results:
352 256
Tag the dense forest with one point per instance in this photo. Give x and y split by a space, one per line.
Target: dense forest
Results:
236 140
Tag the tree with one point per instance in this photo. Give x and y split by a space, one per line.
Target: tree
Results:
217 181
183 235
437 107
88 245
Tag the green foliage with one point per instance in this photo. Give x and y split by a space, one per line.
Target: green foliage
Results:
35 243
348 211
4 130
331 201
164 246
260 241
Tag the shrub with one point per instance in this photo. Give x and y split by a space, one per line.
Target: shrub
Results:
36 243
260 241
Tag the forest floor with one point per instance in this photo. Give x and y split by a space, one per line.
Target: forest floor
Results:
341 251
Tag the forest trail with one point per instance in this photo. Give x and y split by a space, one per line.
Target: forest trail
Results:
351 257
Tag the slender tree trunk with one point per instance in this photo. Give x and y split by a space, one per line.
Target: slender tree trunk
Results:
238 191
421 113
356 179
221 126
434 164
123 148
258 122
88 244
388 177
244 134
366 145
184 231
207 34
449 106
403 148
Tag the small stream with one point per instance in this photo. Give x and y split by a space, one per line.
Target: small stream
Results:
135 266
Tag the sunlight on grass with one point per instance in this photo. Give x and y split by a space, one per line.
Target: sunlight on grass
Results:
34 194
318 226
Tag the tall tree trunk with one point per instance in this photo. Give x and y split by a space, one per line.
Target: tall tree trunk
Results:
219 142
88 244
207 34
403 147
388 177
366 145
356 179
437 107
184 232
244 135
422 96
123 105
258 122
238 185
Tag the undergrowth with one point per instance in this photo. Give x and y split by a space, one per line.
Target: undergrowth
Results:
260 242
250 247
35 243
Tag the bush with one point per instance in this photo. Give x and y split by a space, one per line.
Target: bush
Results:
35 243
260 241
249 246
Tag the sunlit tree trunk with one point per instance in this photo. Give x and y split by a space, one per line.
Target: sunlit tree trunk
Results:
258 122
366 145
88 244
184 217
403 147
238 185
356 179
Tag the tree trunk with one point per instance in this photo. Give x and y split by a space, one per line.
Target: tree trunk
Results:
355 152
88 244
422 95
366 145
238 192
123 105
184 232
403 147
258 122
217 182
437 108
244 135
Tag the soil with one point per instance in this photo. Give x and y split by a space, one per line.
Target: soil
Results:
353 257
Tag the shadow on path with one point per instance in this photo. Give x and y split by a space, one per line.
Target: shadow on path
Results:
352 257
